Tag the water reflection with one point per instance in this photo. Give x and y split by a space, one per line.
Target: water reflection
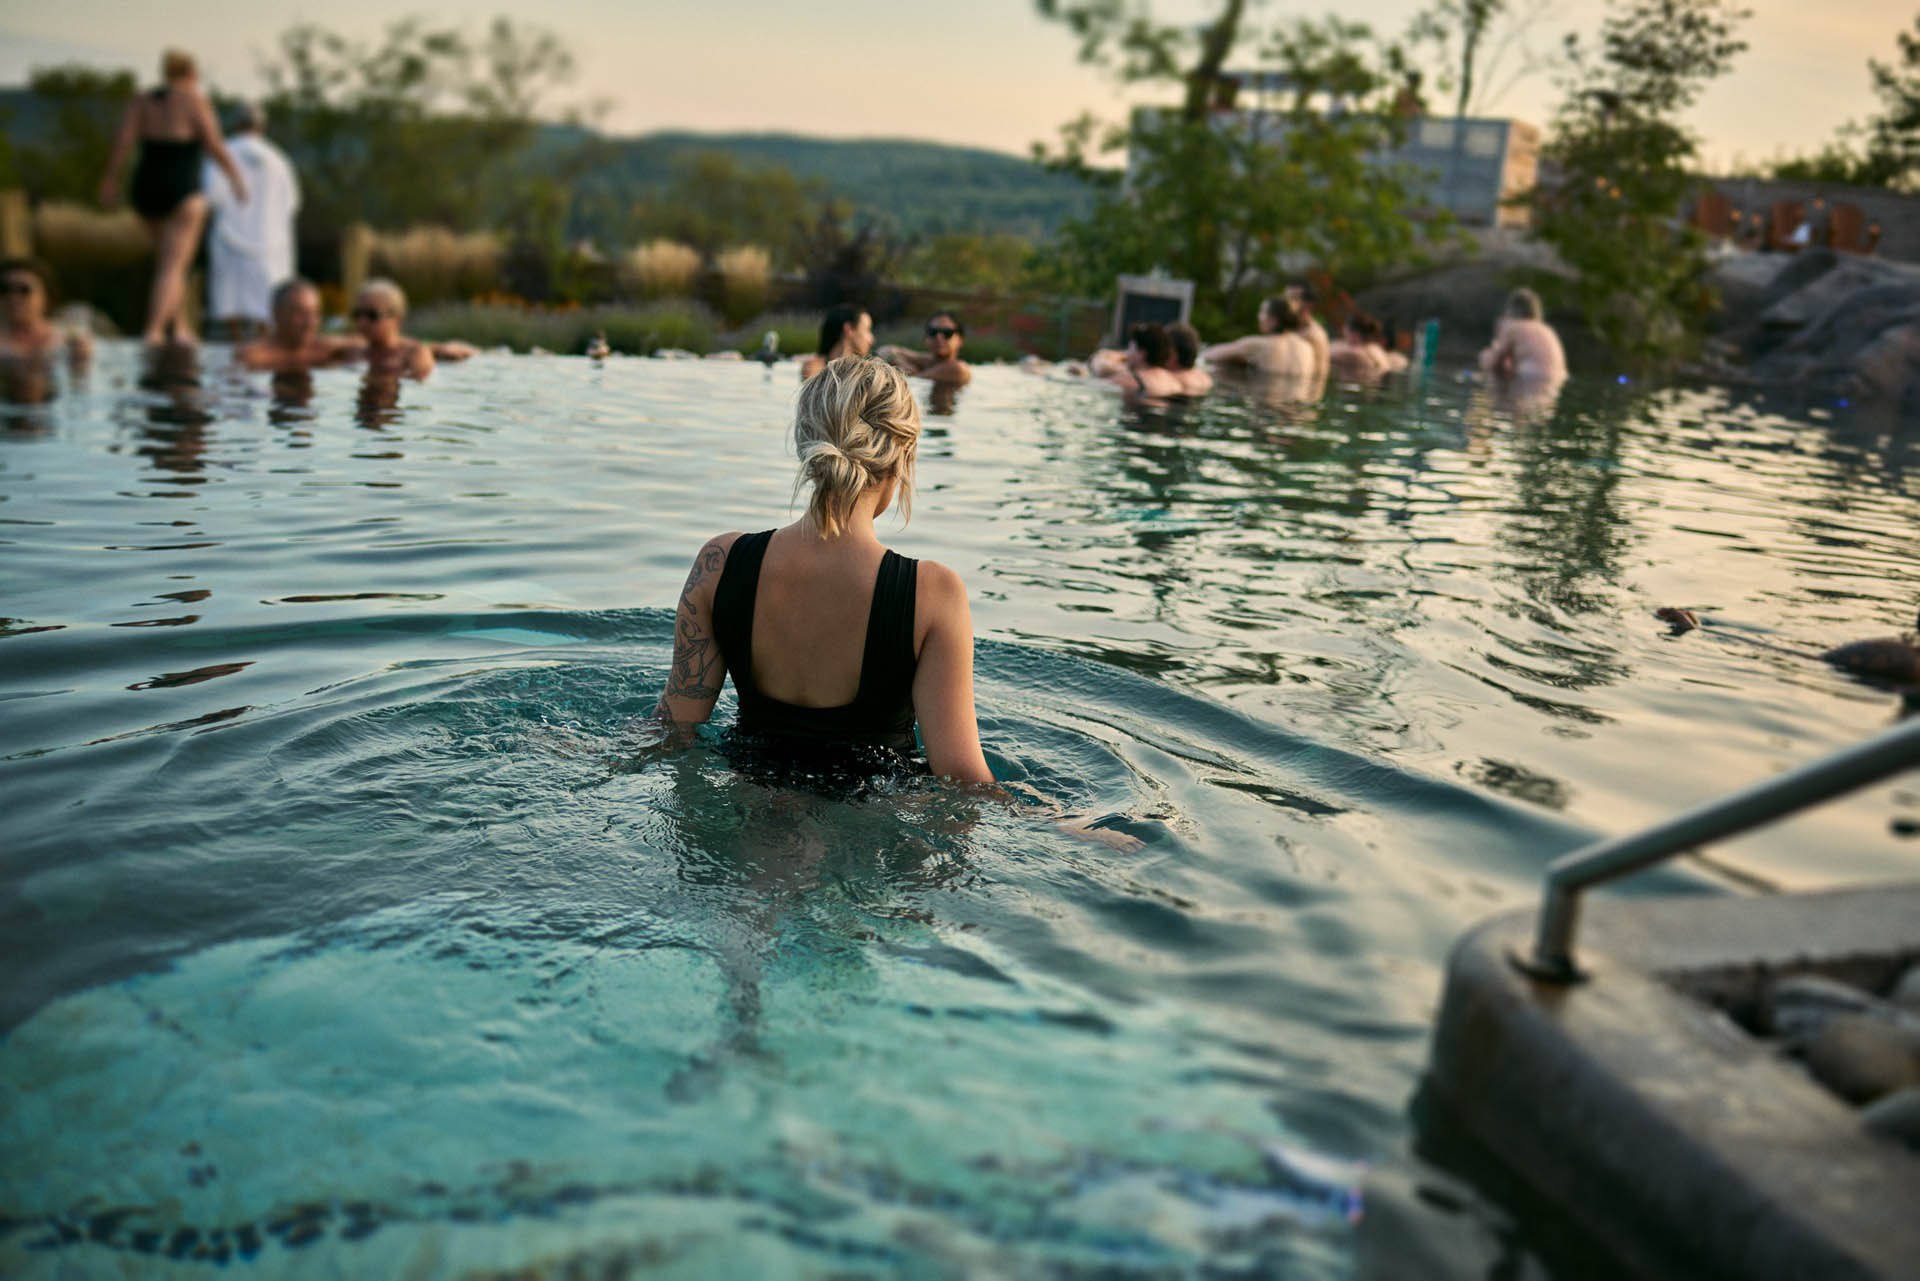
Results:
378 405
174 420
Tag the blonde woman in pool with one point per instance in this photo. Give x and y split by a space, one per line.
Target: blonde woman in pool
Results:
831 639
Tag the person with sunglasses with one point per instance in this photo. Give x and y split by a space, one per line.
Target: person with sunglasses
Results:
376 314
941 360
26 335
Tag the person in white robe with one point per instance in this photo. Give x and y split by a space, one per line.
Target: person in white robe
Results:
250 250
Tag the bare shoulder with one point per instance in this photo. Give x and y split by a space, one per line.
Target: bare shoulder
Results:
938 588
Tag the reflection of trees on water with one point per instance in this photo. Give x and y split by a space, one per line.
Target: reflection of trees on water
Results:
1566 532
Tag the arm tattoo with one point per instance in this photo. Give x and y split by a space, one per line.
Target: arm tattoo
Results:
697 672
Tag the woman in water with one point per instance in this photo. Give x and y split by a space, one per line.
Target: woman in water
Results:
171 124
846 330
832 640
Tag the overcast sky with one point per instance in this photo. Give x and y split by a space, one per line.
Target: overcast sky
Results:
986 73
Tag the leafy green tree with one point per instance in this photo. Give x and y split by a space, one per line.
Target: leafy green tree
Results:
419 127
1233 201
1624 171
715 202
86 104
968 260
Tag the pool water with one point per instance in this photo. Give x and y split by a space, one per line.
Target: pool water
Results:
357 919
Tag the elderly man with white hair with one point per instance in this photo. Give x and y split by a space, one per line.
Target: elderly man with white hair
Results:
251 248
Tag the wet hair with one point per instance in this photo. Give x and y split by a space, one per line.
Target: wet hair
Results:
381 287
1304 292
1287 314
1366 329
959 325
1153 343
33 268
1186 344
176 64
286 289
1524 304
857 425
838 317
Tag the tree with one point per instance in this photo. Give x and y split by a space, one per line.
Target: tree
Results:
1893 147
86 105
968 260
419 128
1492 39
1231 200
715 202
1622 167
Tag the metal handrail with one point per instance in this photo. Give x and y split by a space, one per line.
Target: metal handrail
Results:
1880 757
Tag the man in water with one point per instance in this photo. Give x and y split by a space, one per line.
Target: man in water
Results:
1194 381
252 242
294 342
1525 350
941 360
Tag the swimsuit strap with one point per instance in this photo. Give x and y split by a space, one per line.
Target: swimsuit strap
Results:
887 662
733 601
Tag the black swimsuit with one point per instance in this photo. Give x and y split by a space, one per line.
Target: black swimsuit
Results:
881 713
167 173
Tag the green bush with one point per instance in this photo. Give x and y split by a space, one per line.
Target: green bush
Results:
635 330
799 333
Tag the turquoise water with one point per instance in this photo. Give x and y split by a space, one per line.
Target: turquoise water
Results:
356 921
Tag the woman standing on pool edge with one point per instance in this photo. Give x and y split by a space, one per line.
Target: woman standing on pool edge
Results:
831 639
171 124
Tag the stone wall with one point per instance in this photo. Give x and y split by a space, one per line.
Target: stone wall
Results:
1897 214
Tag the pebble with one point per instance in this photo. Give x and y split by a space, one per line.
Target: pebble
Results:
1798 1007
1906 992
1896 1117
1862 1058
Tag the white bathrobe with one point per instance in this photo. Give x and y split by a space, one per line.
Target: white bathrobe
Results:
251 245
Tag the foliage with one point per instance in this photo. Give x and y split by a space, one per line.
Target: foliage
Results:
846 258
1885 152
411 130
661 269
434 264
746 277
1623 165
968 260
1237 201
82 106
797 332
633 330
715 201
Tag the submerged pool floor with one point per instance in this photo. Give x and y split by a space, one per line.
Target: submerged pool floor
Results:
356 919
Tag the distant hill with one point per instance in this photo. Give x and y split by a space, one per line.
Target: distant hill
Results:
924 187
921 187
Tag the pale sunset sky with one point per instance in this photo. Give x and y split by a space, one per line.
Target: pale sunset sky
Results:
988 73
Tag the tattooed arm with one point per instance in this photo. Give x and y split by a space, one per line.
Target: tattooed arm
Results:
699 669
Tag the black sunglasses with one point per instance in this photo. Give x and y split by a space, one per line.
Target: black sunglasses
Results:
19 288
369 313
941 331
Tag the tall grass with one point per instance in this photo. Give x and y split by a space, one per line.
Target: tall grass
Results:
434 264
634 330
661 269
746 277
98 258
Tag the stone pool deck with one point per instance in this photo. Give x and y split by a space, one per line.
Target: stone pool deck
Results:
1636 1106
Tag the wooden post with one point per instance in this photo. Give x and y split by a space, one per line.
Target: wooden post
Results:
16 225
356 257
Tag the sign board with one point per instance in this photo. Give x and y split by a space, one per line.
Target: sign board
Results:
1150 300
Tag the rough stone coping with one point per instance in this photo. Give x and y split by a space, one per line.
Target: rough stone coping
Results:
1655 1121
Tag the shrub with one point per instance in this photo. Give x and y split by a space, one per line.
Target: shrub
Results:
799 333
634 330
662 269
97 258
746 272
434 264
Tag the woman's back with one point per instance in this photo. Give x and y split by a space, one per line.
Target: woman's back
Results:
169 114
